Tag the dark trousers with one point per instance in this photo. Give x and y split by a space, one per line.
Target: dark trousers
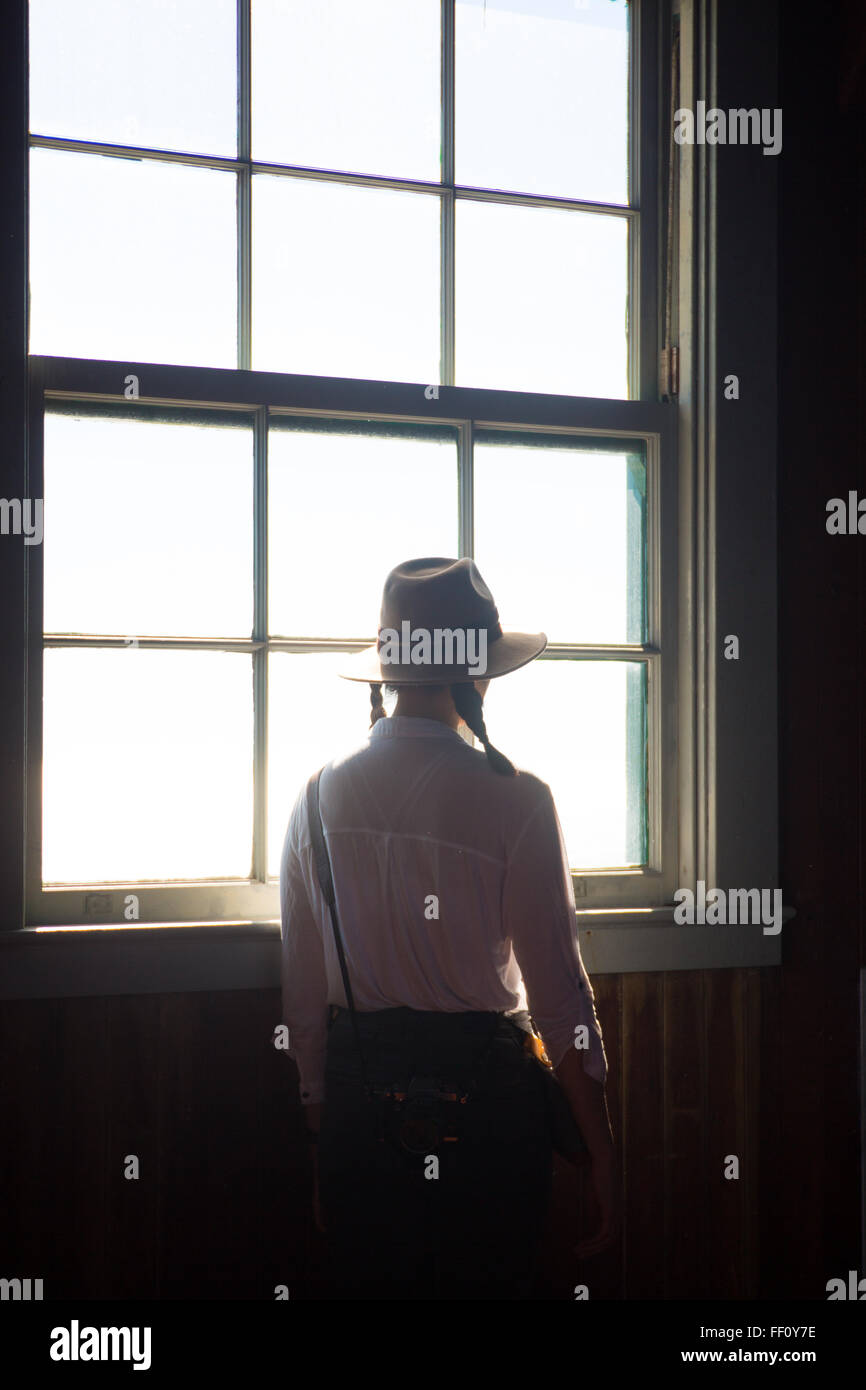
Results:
400 1226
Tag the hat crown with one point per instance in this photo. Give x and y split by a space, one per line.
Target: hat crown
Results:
440 625
437 592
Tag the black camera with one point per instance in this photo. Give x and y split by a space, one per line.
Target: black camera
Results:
424 1117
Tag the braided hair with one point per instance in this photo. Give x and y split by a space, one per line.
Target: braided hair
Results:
377 707
469 706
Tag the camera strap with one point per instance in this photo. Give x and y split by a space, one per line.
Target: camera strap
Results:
326 880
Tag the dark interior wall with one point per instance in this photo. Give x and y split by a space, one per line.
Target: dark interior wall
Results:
702 1064
810 1214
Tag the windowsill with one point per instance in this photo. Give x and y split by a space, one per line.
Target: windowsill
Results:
166 958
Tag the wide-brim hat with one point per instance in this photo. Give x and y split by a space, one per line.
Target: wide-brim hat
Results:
438 626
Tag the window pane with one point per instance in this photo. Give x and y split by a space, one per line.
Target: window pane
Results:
132 260
581 727
348 86
148 527
344 509
313 716
345 280
578 572
136 72
147 770
541 300
541 103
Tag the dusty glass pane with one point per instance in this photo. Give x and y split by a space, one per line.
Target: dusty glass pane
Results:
132 260
313 716
581 727
541 103
148 527
136 72
147 770
579 570
349 86
344 509
345 280
541 300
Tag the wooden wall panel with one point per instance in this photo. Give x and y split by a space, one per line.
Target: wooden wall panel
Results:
30 1158
722 1201
192 1085
132 1107
77 1083
640 1059
602 1273
685 1157
753 1099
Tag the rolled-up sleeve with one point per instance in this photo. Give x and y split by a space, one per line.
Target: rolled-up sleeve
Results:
539 917
302 970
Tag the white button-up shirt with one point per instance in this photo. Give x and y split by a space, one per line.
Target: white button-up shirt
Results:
453 892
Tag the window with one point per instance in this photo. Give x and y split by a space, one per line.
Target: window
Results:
275 214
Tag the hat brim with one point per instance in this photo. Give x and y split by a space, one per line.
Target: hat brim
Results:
508 653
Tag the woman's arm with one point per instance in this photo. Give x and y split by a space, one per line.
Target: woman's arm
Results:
302 969
313 1117
589 1106
539 910
588 1103
539 917
304 983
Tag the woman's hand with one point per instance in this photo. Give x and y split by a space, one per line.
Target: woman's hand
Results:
317 1210
604 1172
313 1117
589 1106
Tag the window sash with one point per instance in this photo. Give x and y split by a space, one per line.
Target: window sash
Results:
640 214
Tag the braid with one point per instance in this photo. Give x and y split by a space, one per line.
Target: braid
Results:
376 704
469 707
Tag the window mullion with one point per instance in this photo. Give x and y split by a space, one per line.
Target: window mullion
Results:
260 656
446 309
635 194
244 186
466 489
446 289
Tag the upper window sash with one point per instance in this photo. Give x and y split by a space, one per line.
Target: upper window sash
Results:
639 213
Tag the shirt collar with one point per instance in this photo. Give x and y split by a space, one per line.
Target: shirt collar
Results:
410 726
